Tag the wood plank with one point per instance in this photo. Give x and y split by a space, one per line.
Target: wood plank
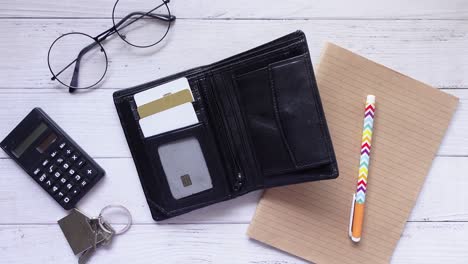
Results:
120 186
430 51
440 199
430 9
218 243
91 117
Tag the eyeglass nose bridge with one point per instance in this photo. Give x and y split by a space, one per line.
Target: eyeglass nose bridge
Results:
103 36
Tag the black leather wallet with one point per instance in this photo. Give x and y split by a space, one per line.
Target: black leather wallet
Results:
261 124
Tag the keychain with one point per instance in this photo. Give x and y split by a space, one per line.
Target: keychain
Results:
85 235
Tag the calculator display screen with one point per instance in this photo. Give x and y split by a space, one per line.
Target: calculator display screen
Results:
51 138
26 143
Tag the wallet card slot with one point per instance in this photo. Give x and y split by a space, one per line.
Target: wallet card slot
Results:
222 132
237 129
186 164
153 131
166 107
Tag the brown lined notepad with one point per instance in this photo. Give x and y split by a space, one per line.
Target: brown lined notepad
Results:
311 220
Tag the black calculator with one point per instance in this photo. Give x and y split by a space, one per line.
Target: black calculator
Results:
52 158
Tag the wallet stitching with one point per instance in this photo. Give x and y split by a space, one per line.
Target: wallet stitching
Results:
320 111
259 58
164 181
136 160
283 42
136 117
302 167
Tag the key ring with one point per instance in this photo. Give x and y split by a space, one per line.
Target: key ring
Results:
127 213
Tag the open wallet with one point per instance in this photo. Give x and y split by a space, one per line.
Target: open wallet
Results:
212 133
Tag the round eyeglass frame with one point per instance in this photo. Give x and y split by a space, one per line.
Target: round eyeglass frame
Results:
55 77
141 46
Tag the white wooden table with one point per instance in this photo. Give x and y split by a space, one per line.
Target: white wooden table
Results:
426 39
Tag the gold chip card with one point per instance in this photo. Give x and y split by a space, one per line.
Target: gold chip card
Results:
168 101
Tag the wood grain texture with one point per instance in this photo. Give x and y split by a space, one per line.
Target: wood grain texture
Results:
90 117
420 243
440 200
259 9
431 51
426 39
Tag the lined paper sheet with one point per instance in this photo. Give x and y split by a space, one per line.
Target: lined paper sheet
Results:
311 220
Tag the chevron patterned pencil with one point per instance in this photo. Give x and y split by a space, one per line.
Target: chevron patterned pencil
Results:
359 198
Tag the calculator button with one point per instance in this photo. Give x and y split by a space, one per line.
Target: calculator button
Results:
42 178
54 189
59 160
45 162
48 183
77 177
74 192
69 186
51 168
62 181
71 172
83 183
37 171
66 200
58 195
75 157
53 154
80 163
66 165
68 151
89 171
62 145
57 174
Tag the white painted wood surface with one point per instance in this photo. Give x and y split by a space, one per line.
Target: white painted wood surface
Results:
426 39
269 9
432 51
121 178
421 242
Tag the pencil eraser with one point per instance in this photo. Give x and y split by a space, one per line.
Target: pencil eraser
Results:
371 99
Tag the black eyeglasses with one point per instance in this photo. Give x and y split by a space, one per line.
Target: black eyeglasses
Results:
82 68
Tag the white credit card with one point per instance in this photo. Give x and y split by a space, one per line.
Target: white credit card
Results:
177 117
170 119
158 92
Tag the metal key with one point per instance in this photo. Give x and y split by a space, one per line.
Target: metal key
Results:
78 231
102 237
107 236
104 231
85 256
85 235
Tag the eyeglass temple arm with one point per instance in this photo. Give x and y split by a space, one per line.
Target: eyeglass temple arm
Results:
76 70
166 18
107 33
